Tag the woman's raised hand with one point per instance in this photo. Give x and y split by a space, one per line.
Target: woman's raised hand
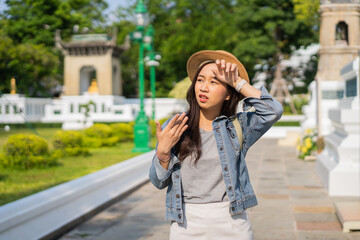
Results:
170 135
227 72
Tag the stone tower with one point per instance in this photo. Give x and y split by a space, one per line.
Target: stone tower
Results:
339 37
339 45
88 57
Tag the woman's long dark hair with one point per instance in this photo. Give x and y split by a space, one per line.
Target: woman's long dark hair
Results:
190 141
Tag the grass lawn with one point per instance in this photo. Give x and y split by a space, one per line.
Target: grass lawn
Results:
287 124
16 184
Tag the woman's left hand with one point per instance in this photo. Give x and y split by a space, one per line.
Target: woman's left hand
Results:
227 72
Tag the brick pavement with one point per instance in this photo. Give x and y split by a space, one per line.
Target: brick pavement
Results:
292 204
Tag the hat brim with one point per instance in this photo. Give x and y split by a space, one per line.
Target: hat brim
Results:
200 57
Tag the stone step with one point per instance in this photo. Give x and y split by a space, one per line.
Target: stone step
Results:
349 215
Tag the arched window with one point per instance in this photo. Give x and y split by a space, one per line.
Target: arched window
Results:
341 34
87 73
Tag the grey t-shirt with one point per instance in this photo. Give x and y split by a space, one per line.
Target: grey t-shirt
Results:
203 183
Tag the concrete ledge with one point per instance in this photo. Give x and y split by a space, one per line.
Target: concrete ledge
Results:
43 213
349 215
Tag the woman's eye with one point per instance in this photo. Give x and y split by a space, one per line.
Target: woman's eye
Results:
199 80
214 82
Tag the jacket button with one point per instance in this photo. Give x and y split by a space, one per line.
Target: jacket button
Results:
217 130
177 195
179 216
176 176
225 168
229 188
232 209
221 149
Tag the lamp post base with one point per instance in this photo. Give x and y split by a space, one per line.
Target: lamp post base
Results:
141 134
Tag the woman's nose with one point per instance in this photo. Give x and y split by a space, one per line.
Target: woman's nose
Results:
204 87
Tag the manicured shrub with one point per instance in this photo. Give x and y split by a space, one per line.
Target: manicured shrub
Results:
92 142
99 135
76 151
111 141
124 131
70 143
67 139
26 151
99 130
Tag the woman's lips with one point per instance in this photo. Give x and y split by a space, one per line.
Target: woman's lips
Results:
203 98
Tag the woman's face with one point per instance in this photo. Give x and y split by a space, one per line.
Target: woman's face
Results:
210 92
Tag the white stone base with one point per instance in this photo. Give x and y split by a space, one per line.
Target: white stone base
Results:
338 164
338 179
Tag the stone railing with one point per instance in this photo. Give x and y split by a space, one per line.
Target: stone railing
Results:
49 213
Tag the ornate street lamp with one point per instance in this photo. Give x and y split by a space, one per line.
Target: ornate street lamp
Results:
141 129
151 62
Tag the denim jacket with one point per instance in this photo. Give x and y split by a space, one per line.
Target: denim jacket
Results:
232 158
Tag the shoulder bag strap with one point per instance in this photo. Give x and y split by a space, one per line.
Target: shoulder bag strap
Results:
238 129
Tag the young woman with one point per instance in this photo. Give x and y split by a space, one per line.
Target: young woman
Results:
199 156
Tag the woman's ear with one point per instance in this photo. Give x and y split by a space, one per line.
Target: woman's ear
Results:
227 97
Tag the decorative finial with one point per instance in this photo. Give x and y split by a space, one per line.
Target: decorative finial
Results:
13 86
93 87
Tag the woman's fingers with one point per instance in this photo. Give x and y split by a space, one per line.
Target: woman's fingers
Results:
228 65
233 66
172 122
178 122
158 128
222 64
179 129
218 63
228 72
183 129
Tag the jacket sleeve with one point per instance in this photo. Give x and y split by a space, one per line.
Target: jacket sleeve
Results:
256 123
159 176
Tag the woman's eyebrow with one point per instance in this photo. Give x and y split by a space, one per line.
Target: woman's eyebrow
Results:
212 77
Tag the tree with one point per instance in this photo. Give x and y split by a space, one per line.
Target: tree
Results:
27 48
255 31
35 21
33 67
307 11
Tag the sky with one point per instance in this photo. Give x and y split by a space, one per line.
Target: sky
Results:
113 4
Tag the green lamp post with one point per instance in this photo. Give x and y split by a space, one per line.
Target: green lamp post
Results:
141 128
150 60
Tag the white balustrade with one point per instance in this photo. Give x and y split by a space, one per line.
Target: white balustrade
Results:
46 212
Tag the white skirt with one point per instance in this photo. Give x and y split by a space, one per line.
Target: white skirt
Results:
211 221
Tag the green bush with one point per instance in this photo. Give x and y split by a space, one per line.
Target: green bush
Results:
111 141
99 130
99 135
124 131
26 151
25 144
76 151
92 142
70 143
67 139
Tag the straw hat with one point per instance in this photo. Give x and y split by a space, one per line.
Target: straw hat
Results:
199 58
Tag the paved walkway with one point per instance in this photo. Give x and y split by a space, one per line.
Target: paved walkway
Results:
292 204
